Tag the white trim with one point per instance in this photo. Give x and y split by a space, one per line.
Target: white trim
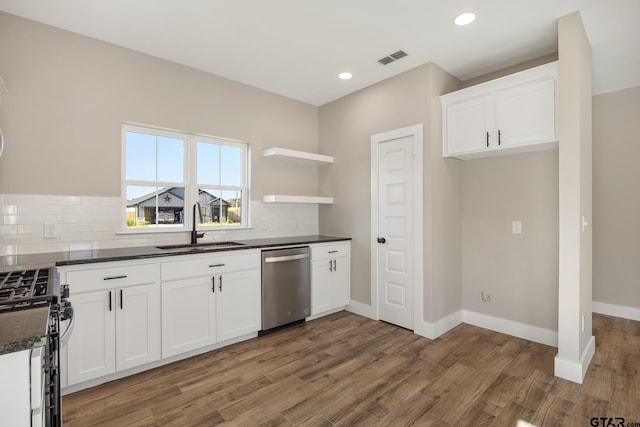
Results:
165 361
324 313
440 327
573 371
361 309
416 131
622 311
511 327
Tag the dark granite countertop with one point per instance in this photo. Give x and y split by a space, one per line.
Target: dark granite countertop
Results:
46 260
23 329
26 329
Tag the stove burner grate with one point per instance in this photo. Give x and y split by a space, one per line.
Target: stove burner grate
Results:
24 287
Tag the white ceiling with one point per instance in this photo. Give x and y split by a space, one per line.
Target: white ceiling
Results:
296 48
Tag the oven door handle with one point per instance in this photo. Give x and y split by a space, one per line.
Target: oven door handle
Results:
68 311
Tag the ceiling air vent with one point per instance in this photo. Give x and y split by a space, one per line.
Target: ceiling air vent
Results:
393 57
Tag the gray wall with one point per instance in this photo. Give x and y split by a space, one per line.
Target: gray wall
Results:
575 192
69 94
346 127
520 271
616 198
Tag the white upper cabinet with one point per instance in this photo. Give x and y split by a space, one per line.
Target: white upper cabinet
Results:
515 113
469 125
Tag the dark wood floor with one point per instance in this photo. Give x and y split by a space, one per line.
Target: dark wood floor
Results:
347 370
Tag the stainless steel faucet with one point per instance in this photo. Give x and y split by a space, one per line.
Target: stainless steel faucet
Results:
194 234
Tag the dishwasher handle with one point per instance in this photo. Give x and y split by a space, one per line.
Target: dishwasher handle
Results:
286 258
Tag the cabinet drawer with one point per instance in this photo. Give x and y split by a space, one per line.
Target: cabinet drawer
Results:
202 265
328 251
112 277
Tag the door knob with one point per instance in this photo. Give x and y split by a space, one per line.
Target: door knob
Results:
382 240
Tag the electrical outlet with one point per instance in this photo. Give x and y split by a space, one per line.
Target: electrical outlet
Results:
486 296
50 230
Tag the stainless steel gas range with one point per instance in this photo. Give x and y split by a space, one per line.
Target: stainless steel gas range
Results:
32 308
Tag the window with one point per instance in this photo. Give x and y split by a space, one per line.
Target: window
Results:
164 172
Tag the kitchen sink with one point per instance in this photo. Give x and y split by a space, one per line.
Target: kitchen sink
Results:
201 246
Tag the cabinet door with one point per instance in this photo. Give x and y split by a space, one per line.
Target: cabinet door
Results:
330 284
341 283
188 315
525 114
91 345
238 304
468 123
137 326
321 285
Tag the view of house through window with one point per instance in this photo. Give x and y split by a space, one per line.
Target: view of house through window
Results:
167 171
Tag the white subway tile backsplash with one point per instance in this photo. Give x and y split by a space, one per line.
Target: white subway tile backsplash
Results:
8 209
8 229
85 223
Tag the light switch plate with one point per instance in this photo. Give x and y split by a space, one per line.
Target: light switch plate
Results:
516 227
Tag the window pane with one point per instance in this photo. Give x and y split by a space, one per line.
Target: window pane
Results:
154 207
141 201
220 207
170 159
234 209
141 157
231 170
208 164
171 206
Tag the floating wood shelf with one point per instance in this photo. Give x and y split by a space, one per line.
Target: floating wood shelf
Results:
301 157
275 198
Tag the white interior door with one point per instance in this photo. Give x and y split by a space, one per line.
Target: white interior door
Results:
395 231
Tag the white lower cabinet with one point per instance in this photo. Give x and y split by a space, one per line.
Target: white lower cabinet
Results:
188 315
221 303
238 304
116 321
128 314
330 277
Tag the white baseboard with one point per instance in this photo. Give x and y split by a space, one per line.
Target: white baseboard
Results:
434 330
360 308
575 371
510 327
630 313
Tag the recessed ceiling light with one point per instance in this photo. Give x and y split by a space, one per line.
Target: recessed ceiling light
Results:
465 18
345 76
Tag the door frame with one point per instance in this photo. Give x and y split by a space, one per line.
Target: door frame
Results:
417 132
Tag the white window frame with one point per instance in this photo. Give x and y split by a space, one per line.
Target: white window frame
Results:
190 178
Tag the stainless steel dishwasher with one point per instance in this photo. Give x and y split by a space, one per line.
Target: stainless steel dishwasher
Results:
286 286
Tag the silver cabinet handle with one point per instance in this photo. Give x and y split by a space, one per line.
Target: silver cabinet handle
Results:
121 300
71 323
286 258
335 266
124 276
109 300
220 287
216 265
330 265
333 252
213 284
